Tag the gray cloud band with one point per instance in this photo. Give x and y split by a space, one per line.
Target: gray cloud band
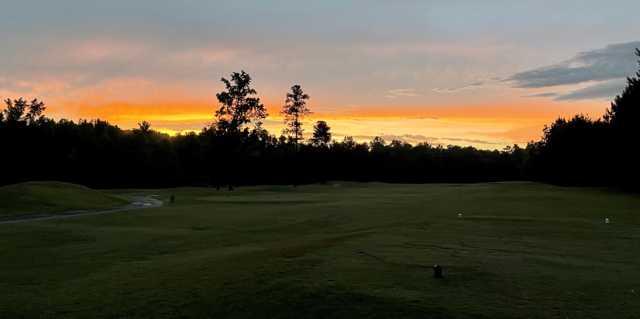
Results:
609 66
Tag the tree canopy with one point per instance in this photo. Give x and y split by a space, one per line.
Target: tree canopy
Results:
321 134
238 104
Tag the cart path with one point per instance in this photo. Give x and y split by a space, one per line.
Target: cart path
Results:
138 202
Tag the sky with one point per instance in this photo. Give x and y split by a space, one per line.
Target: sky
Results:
481 73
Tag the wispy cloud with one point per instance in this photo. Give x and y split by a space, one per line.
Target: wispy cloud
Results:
604 90
544 94
103 50
473 85
399 93
432 48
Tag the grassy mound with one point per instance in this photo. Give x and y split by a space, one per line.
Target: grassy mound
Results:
42 198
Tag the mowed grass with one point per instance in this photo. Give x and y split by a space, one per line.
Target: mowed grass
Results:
521 250
47 198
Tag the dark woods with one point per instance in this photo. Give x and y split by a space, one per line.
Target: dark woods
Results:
236 150
98 154
582 151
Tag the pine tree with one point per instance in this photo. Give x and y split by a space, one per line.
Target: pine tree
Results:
294 110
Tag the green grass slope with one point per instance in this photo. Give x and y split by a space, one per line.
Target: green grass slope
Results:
521 250
43 198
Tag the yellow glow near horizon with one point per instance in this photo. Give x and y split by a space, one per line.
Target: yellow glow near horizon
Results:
481 126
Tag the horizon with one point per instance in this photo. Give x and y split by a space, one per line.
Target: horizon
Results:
486 75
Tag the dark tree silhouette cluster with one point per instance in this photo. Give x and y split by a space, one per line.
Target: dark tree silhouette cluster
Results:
321 134
582 151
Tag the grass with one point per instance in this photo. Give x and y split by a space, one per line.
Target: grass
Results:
48 198
522 250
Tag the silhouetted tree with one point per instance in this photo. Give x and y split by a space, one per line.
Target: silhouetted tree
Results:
348 142
624 120
144 127
321 134
294 109
592 152
377 144
238 106
35 111
15 110
624 113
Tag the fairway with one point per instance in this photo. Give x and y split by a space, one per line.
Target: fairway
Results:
340 250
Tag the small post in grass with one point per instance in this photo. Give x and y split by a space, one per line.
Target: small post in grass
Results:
437 271
172 199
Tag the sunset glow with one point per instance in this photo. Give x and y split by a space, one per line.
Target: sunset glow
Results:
411 75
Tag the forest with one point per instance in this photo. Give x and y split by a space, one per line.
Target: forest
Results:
235 150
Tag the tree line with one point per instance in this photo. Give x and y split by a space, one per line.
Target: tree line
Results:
236 150
584 151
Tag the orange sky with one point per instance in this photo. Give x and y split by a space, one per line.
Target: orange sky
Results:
489 118
490 126
465 72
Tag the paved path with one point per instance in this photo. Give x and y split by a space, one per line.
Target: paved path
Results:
139 202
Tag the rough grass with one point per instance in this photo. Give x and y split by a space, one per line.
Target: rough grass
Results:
46 198
522 250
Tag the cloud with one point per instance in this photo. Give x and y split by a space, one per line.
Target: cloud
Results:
612 62
407 138
604 90
454 140
545 94
43 87
94 51
205 56
431 48
396 93
469 86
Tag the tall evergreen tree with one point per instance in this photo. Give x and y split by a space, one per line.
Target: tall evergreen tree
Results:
294 110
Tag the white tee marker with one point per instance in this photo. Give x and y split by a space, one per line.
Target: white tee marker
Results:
607 220
459 215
